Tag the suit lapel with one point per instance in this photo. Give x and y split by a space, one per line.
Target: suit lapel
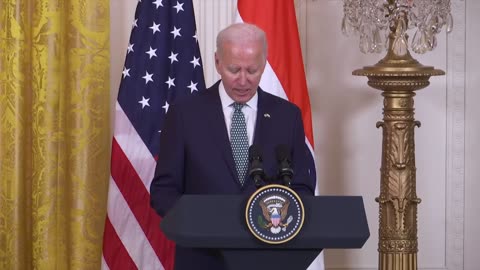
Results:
219 130
262 125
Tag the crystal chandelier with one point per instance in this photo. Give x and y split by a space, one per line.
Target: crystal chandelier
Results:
375 20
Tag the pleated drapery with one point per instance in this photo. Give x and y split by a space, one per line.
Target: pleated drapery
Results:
54 132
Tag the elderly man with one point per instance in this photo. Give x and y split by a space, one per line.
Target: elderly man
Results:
204 144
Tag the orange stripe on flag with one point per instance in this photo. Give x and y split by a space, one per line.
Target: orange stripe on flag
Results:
277 18
285 65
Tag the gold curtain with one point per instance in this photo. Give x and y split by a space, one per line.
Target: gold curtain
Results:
54 132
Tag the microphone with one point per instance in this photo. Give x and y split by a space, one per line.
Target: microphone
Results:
285 171
256 167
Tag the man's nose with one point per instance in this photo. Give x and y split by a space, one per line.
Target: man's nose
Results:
243 78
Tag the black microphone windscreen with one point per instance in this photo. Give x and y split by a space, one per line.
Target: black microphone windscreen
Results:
254 151
282 152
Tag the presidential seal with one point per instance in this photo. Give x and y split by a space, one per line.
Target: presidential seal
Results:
274 214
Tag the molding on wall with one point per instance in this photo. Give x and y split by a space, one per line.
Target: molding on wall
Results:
212 16
301 14
455 164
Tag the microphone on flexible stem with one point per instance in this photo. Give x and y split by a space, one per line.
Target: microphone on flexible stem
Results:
256 166
285 171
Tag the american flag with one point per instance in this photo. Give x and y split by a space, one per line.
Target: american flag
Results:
162 65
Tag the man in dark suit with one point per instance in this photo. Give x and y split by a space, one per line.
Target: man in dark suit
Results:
196 155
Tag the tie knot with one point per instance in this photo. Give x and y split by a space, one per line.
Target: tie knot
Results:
238 106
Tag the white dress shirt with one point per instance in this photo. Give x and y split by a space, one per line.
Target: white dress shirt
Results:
249 110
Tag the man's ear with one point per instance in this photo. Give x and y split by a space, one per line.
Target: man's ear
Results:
216 58
217 63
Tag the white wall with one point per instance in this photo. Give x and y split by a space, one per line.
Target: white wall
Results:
472 135
345 110
348 145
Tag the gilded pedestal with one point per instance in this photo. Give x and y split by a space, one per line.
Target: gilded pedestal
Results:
398 77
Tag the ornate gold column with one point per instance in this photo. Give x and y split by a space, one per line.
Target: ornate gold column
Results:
398 77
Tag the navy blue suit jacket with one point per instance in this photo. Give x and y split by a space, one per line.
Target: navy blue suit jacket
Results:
196 158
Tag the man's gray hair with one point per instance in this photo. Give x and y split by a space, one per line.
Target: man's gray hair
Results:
241 32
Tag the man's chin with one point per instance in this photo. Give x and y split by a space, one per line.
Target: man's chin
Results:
242 99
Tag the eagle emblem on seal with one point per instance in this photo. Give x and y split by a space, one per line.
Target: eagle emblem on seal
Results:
275 211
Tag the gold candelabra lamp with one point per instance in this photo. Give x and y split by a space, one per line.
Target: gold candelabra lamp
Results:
383 25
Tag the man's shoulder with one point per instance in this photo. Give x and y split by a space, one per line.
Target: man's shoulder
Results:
272 100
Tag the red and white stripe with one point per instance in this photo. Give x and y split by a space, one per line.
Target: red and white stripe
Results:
284 74
132 238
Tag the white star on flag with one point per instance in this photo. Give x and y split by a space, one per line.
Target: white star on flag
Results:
195 61
155 27
130 48
126 72
178 7
148 77
176 32
170 82
192 87
151 52
144 102
157 3
166 106
173 57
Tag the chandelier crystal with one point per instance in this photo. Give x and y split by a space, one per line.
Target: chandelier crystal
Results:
375 20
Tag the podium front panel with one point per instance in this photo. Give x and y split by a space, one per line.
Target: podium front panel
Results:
218 221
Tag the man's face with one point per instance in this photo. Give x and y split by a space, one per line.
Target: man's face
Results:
240 66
